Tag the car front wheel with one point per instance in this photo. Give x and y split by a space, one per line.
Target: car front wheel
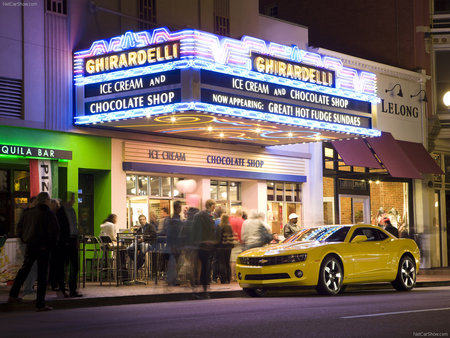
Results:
406 275
330 277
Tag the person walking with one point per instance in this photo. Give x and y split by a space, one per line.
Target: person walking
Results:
39 230
254 231
204 239
68 248
226 243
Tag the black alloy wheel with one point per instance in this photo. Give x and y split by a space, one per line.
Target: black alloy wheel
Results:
406 275
330 277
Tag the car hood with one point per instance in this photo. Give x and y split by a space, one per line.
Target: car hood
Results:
283 248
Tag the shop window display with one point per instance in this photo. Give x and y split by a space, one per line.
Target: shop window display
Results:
283 198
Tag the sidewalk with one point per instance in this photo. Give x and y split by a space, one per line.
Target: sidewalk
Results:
106 295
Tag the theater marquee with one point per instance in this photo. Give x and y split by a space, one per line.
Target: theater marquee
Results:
197 85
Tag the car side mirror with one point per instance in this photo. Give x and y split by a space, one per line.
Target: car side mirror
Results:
359 239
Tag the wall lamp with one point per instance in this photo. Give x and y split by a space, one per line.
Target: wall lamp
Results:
424 96
400 93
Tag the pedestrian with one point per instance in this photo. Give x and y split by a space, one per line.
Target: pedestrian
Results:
236 222
28 287
204 239
224 247
39 229
254 231
190 254
68 247
389 227
173 228
218 212
291 227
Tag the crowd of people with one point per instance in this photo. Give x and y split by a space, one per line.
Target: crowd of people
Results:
49 230
206 242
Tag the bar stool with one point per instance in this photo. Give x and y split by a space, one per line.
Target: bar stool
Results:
107 259
90 253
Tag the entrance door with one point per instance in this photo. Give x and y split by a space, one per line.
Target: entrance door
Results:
86 204
354 209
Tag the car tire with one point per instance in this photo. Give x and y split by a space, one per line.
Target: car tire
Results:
255 292
330 277
406 274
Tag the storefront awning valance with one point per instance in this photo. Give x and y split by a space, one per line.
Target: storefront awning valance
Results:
400 158
420 157
356 153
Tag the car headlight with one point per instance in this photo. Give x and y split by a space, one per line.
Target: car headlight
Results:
294 258
274 260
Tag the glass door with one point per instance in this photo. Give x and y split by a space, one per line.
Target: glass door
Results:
354 209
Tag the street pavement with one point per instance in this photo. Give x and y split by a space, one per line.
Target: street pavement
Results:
107 294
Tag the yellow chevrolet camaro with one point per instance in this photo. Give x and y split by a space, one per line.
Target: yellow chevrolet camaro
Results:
329 258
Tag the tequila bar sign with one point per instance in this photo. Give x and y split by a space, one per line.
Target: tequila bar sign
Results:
25 151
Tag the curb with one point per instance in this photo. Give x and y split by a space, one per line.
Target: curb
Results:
162 298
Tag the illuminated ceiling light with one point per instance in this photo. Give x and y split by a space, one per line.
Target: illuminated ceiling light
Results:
446 99
257 130
173 119
317 137
210 128
221 135
370 181
377 181
290 134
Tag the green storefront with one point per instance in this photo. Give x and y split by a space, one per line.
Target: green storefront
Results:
79 163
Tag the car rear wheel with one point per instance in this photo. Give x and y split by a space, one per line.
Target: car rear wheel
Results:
406 275
255 292
330 277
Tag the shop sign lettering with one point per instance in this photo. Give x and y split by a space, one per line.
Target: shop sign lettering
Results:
166 155
34 152
234 161
399 109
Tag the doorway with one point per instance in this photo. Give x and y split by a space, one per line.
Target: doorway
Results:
354 209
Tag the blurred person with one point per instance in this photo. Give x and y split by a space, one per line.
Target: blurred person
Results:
56 252
275 239
28 287
190 254
164 214
224 246
39 229
291 227
218 212
67 248
386 222
173 228
254 231
204 239
236 222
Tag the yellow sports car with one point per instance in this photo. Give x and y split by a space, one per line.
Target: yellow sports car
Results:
329 258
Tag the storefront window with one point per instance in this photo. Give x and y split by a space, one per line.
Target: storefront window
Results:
21 180
4 180
142 185
227 195
287 200
166 187
131 185
390 199
155 186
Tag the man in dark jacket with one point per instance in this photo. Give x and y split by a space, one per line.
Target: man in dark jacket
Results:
204 239
39 230
389 227
67 248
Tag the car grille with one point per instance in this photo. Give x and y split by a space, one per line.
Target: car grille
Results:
267 276
275 260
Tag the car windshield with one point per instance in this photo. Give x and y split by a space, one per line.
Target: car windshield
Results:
335 233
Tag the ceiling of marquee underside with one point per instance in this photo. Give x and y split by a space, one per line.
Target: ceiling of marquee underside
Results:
199 125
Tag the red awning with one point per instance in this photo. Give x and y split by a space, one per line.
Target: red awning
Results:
356 153
422 160
391 154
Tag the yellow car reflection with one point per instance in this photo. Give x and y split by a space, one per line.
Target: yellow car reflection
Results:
329 258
